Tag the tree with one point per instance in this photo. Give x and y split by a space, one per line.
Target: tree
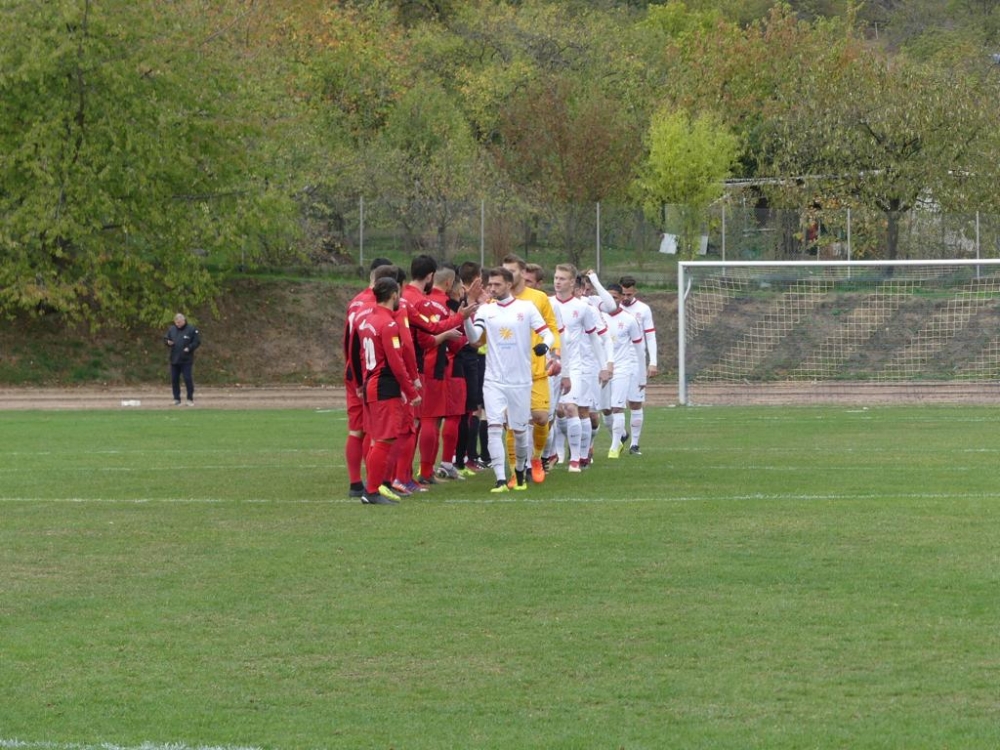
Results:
120 162
891 133
687 163
424 163
569 147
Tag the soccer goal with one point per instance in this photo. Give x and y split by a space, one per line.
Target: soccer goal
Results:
838 331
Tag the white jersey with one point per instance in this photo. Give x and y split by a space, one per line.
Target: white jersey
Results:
642 313
578 320
626 336
508 326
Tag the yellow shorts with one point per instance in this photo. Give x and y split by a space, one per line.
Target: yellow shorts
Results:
540 395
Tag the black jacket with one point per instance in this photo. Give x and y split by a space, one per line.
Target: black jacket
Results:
186 340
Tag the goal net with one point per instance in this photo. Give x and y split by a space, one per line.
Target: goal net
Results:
838 331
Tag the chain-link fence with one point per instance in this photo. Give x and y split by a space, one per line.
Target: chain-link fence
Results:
616 239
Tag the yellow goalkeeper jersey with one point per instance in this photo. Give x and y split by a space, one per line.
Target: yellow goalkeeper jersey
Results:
541 300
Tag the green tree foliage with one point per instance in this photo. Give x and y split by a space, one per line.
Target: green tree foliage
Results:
425 163
137 140
687 163
115 171
887 134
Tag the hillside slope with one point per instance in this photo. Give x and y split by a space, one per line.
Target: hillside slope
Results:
263 332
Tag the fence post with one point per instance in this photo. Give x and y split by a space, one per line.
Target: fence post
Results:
978 269
848 234
598 268
723 230
361 232
482 232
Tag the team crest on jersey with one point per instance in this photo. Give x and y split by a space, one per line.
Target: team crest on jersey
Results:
520 317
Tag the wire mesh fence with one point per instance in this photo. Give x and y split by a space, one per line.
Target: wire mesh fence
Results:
618 239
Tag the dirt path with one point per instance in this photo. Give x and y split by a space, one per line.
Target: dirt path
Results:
660 394
124 397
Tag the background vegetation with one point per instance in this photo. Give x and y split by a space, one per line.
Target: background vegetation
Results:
149 150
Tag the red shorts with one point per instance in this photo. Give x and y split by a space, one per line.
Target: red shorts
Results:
355 408
387 420
435 398
456 396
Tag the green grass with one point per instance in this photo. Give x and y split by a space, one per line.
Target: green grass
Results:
759 578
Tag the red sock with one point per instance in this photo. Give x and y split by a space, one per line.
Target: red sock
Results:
429 428
449 438
377 463
405 447
354 454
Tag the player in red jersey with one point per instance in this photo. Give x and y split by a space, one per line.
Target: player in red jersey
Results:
389 393
355 448
429 329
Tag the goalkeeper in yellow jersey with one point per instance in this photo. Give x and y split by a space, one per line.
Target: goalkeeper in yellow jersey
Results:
542 368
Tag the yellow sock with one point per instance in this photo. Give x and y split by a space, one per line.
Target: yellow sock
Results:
541 437
510 450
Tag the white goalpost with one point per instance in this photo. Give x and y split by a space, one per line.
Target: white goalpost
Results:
842 331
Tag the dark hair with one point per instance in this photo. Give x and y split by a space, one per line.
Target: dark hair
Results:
422 266
615 288
501 271
384 289
379 262
385 272
512 258
468 271
537 270
628 281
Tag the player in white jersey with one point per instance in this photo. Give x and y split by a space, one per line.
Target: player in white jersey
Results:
597 296
630 372
506 326
584 342
641 312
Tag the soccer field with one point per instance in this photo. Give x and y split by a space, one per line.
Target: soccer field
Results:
759 578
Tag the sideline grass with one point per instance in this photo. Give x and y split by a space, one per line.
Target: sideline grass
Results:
759 578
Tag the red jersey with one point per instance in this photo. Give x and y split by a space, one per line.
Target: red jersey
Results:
381 357
363 300
423 324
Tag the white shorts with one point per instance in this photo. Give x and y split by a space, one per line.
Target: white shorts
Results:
584 390
555 394
636 394
615 394
591 396
507 404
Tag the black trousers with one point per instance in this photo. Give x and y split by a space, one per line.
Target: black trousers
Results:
176 373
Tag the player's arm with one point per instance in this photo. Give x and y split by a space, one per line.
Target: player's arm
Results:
639 342
650 336
409 350
553 323
475 331
608 303
392 345
540 326
354 361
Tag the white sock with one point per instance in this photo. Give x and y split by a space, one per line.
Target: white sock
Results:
617 428
522 449
636 425
498 451
575 437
